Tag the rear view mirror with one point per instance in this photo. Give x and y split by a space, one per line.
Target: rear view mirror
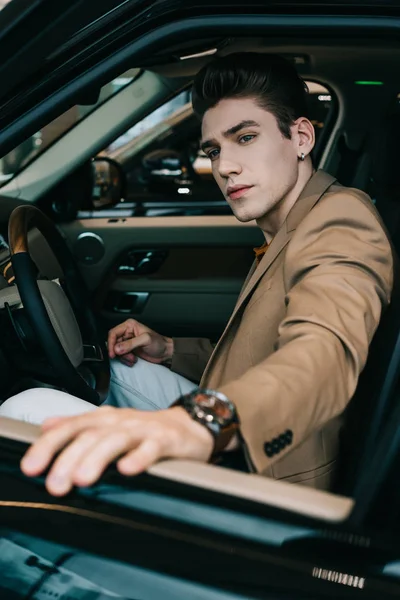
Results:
109 183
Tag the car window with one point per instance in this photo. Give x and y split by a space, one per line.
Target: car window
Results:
31 148
160 115
167 173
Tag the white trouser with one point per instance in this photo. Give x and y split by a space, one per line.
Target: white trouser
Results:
144 386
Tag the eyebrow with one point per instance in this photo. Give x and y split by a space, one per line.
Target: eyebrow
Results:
229 132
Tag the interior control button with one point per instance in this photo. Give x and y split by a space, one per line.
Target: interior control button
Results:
89 248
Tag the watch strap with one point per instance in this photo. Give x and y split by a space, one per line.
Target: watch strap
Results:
222 440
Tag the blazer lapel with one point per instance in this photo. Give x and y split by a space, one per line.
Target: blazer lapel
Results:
312 192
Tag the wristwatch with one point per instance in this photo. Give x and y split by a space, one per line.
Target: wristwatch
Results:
213 410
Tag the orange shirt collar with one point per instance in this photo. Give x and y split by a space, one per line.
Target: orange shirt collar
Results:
260 251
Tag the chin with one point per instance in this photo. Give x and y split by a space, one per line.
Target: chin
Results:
244 216
247 210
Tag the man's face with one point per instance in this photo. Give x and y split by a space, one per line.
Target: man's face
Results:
254 165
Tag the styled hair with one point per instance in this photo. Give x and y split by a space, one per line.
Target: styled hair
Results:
271 80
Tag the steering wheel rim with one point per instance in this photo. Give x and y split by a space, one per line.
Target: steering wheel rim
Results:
21 221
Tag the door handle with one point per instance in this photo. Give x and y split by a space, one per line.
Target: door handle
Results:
142 262
126 302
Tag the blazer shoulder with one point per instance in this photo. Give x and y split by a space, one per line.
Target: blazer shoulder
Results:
354 197
343 226
340 202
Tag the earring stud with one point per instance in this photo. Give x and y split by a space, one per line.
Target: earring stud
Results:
302 156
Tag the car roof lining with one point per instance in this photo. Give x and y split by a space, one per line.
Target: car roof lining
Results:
319 58
330 31
325 60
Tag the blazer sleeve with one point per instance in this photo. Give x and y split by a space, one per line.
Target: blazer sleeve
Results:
338 273
191 356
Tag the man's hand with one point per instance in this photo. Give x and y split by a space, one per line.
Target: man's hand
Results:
131 339
90 442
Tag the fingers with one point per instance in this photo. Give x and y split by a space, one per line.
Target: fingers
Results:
51 422
127 346
141 458
87 443
127 328
87 457
84 461
106 449
113 335
59 481
128 359
55 437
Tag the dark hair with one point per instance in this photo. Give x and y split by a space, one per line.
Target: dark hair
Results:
268 78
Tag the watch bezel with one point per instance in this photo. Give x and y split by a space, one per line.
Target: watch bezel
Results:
192 403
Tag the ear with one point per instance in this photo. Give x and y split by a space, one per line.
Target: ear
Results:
304 136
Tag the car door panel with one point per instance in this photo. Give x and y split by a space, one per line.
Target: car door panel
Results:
199 265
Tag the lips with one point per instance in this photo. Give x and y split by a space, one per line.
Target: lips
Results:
237 191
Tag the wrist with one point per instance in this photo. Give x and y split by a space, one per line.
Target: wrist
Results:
213 411
196 431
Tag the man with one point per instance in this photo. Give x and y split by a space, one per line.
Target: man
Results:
287 364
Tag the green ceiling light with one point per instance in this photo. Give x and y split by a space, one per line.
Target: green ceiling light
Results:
365 82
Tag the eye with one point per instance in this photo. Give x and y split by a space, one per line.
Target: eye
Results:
213 154
244 139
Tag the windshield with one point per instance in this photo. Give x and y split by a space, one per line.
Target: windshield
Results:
31 148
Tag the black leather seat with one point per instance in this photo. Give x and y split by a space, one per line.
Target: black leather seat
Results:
378 388
375 396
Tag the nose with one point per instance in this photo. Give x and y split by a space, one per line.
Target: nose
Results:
227 165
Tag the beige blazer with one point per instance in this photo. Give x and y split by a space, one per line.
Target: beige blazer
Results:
298 338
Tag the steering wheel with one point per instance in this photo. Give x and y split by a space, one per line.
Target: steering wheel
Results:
58 312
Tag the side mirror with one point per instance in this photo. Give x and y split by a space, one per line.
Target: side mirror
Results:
109 183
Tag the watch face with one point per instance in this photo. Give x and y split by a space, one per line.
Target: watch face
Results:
222 410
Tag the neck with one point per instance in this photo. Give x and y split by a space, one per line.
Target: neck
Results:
273 221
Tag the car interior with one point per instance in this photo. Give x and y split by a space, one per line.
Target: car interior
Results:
132 226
